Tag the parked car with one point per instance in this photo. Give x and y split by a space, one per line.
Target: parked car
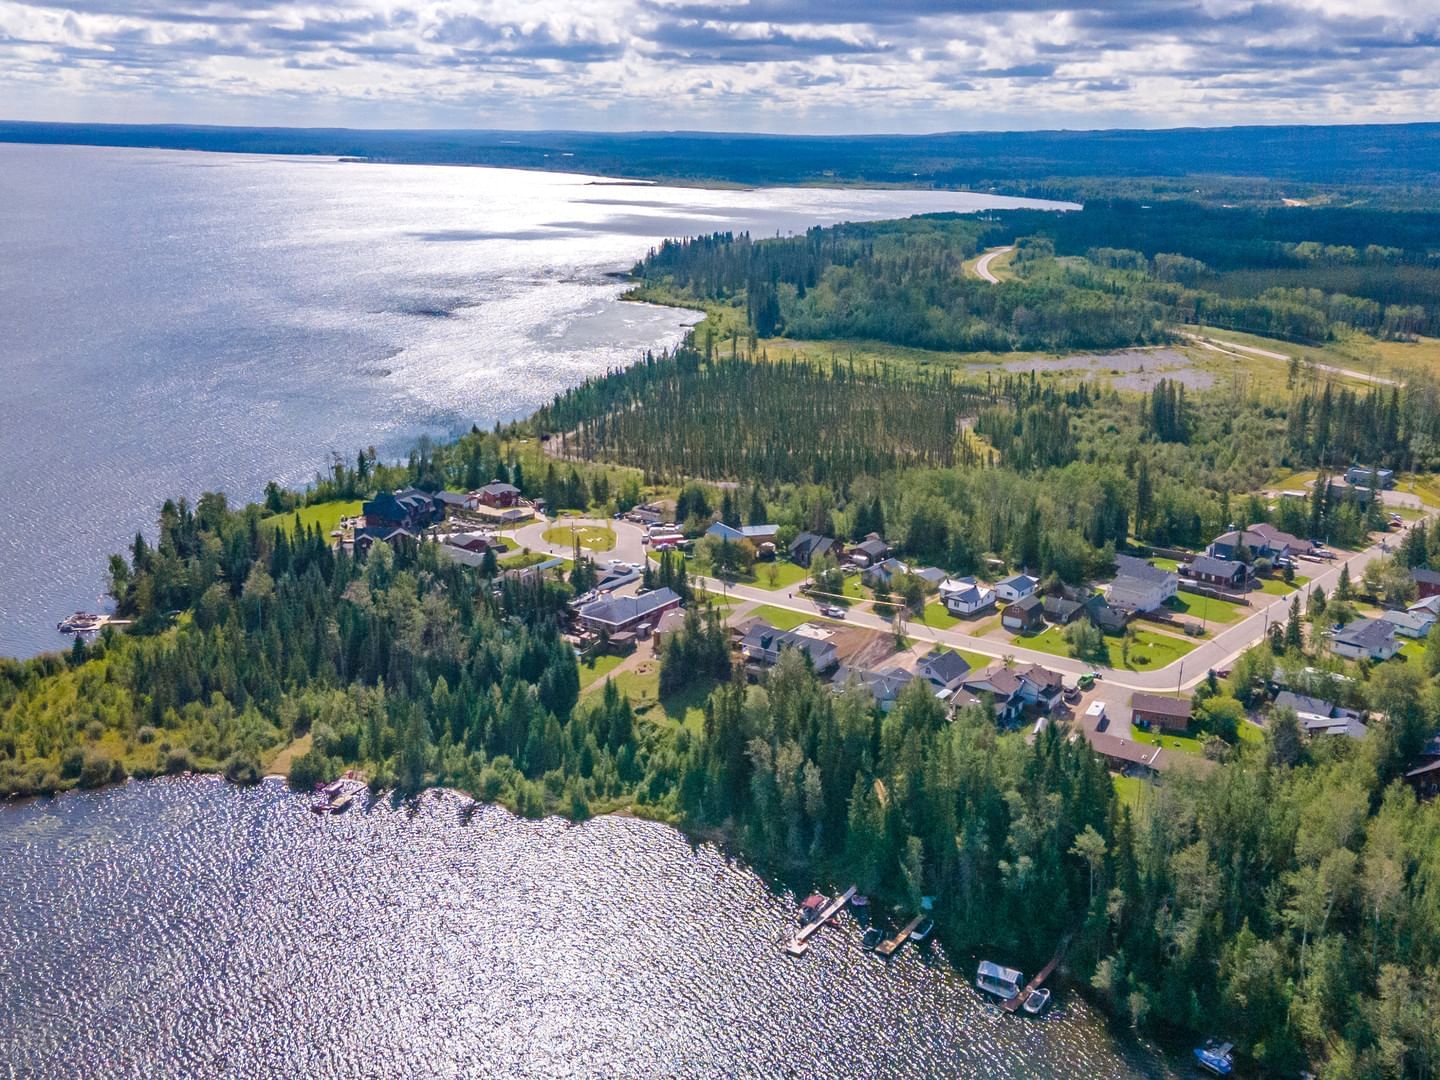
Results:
832 611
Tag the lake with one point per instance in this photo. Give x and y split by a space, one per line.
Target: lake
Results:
177 322
187 928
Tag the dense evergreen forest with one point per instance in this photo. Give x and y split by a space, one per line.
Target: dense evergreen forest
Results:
1115 273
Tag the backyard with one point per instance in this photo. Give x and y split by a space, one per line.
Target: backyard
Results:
326 515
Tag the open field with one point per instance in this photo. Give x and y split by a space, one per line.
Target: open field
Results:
641 684
327 515
595 668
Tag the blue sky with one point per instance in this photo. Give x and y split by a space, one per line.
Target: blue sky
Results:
748 65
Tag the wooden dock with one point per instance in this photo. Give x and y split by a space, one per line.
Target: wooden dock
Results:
888 946
1034 984
797 945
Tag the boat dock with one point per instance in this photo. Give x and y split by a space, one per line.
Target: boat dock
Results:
889 945
1034 984
798 944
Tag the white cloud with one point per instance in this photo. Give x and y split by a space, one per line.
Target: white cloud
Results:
840 65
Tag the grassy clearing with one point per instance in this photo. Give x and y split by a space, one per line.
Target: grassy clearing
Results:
1185 744
1166 564
641 685
589 537
777 575
1206 608
594 668
326 515
1297 481
1149 650
279 762
1413 651
936 616
1251 733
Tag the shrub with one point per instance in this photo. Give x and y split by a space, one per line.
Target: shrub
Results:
100 768
242 767
178 761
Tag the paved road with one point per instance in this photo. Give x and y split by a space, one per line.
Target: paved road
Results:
1219 651
1230 348
982 265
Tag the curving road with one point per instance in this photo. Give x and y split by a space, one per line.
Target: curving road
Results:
1216 652
982 265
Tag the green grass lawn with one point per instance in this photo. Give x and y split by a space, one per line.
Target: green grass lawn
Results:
1275 586
1413 651
325 514
1130 790
935 615
777 575
1166 564
784 618
1251 733
518 560
1207 608
1186 744
977 661
595 668
1148 652
591 537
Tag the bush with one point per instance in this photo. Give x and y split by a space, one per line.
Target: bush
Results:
178 761
147 735
100 768
242 767
308 769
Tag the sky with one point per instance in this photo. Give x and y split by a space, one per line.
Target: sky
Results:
819 66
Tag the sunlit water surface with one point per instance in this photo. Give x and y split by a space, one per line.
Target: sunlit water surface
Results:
175 322
188 928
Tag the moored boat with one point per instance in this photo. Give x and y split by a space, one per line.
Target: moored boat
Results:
1036 1001
1003 982
871 938
1215 1057
921 932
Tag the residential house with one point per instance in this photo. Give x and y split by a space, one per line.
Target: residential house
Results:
1025 616
1427 582
1061 610
1414 623
1157 711
1108 617
498 495
1139 586
808 546
1125 755
762 645
757 536
882 575
944 669
452 500
1429 604
1015 587
1002 686
1365 475
884 687
1039 686
868 551
1366 639
408 508
619 614
931 576
1221 573
1424 776
1320 717
1260 542
965 596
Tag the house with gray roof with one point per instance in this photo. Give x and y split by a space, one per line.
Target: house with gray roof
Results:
884 687
1139 586
1366 639
1413 623
966 596
763 644
1015 587
1223 573
617 614
808 546
944 669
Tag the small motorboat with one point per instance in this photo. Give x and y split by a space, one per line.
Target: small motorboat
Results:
871 938
1036 1001
796 948
921 932
812 907
860 900
1215 1057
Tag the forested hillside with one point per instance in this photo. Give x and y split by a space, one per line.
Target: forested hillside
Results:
1115 273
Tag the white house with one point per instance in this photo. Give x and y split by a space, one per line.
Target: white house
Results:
1368 639
1139 586
965 596
1415 623
1015 587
